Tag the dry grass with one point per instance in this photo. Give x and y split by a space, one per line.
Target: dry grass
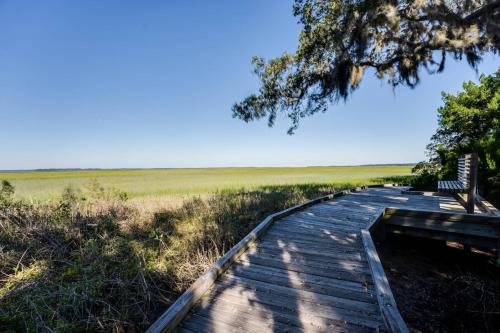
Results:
95 261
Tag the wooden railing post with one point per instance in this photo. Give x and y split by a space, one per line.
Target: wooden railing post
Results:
471 191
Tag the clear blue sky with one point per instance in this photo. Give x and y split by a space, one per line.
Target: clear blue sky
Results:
151 84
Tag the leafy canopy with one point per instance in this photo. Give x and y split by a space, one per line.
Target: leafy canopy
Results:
340 39
470 122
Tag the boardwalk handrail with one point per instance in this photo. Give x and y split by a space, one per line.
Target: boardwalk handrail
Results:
178 310
390 313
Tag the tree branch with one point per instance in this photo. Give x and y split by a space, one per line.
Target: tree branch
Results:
481 11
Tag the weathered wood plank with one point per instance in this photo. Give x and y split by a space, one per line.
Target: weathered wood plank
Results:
482 230
444 216
246 317
301 281
298 246
333 255
390 313
306 258
199 323
293 233
288 315
321 245
308 308
346 226
286 227
311 271
326 220
341 266
309 226
309 268
174 314
299 294
444 236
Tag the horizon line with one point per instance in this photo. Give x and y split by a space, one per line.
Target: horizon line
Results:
221 167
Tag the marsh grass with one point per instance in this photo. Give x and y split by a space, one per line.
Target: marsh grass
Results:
96 261
175 184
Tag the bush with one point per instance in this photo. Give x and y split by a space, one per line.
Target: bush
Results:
425 176
6 191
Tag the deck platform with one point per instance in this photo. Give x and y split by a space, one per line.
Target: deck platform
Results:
314 270
309 272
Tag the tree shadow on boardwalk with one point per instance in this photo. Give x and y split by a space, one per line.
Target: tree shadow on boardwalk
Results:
301 276
307 273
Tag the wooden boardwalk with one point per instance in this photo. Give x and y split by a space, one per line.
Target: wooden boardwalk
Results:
309 272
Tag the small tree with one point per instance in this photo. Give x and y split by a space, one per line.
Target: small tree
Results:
340 39
470 122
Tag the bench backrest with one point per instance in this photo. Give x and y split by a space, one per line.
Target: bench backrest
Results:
467 175
464 170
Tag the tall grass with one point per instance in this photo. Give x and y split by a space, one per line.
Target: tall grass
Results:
183 183
94 261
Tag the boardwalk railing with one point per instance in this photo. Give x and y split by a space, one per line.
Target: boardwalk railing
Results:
390 313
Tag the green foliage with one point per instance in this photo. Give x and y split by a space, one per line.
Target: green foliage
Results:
71 195
341 39
94 190
425 176
425 167
426 181
6 191
470 122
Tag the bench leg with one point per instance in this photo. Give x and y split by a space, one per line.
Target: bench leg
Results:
470 203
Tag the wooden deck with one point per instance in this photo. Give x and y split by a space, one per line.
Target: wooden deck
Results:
309 272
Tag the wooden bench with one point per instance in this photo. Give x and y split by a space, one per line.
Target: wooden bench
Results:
466 183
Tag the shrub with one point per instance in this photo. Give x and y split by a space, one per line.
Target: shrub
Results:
6 191
425 176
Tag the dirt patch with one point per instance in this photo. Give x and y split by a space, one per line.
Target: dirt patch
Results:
440 287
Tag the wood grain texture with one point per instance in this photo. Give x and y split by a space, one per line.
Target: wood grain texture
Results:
314 269
176 312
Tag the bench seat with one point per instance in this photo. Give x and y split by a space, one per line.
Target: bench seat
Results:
451 186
